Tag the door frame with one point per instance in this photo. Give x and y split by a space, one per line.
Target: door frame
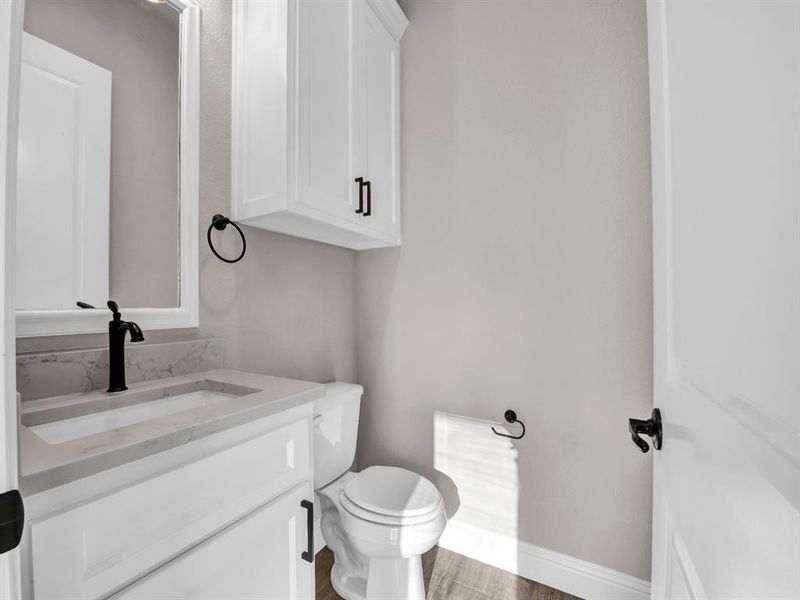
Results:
11 17
660 152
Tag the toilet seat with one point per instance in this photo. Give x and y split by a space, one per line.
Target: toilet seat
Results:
391 496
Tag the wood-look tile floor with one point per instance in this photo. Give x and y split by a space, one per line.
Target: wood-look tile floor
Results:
450 576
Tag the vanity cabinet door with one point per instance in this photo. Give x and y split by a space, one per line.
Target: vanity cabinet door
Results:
377 71
258 557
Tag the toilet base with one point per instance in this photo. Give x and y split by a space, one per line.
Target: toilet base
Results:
349 588
388 579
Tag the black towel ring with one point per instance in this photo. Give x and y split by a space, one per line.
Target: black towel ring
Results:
219 223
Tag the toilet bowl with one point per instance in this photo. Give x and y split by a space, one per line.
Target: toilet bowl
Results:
378 522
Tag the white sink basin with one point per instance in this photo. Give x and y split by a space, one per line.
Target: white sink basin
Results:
77 427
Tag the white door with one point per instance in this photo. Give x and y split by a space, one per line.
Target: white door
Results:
256 558
64 162
11 14
377 120
725 89
325 119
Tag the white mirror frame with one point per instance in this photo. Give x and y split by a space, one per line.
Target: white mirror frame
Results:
37 323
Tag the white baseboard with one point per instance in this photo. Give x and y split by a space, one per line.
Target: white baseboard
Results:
572 575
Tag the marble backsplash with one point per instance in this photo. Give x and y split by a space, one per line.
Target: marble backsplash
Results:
45 374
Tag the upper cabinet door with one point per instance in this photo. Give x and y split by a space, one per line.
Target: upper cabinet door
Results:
325 108
377 70
259 126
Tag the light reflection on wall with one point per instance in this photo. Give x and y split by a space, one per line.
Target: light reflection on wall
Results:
483 467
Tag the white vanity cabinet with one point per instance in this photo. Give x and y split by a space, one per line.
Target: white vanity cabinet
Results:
224 517
315 132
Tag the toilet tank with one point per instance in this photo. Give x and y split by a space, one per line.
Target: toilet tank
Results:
335 431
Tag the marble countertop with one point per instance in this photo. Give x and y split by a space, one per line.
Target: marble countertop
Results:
44 466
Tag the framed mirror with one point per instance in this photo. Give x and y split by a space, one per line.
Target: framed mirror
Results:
107 192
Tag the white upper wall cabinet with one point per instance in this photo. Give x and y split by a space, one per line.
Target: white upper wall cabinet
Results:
316 120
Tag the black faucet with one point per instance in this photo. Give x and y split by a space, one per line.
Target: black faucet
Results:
116 348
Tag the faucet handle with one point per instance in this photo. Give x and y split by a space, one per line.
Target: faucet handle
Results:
114 307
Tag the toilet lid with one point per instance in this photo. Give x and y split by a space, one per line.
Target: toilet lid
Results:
393 492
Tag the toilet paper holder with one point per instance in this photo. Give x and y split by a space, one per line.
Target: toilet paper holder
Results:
511 417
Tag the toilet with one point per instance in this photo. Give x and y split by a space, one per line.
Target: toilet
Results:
378 522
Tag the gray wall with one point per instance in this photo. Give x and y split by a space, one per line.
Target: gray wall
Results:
524 280
139 43
288 308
